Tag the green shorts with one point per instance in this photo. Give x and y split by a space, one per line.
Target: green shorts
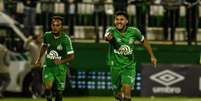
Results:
122 76
56 74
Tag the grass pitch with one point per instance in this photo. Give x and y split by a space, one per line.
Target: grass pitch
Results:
107 99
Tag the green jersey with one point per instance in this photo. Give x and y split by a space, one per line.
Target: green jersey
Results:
116 57
58 48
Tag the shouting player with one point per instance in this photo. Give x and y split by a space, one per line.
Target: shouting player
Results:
121 58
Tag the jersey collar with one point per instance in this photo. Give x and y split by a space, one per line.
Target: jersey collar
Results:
124 30
57 37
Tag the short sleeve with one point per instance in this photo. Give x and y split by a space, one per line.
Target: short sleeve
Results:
69 46
138 35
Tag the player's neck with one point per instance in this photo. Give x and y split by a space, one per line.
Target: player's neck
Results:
56 36
122 31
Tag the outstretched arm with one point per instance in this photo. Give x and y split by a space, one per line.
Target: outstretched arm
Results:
150 52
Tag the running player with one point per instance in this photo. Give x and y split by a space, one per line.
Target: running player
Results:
121 55
59 51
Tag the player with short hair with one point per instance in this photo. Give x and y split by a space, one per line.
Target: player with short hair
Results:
121 58
59 51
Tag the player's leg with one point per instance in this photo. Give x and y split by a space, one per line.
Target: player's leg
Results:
48 89
60 81
128 78
116 84
59 94
37 89
48 79
126 88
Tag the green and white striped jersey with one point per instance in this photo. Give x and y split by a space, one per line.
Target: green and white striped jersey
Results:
126 40
58 48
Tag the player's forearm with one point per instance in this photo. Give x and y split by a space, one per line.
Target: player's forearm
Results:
68 58
148 48
112 40
115 44
42 51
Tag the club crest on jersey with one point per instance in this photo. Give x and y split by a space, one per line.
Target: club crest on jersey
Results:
131 41
59 47
118 40
48 45
53 55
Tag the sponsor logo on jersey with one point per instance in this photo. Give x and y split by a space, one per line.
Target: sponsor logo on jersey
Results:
124 50
53 55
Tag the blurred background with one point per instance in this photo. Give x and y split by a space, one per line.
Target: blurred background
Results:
171 26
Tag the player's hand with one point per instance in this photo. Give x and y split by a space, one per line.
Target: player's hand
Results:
108 36
154 61
58 61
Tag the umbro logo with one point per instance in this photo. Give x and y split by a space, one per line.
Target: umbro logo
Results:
167 77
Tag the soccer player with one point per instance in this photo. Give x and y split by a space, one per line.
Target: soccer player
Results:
121 58
59 51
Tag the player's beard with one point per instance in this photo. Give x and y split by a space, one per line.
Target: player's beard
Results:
56 34
121 28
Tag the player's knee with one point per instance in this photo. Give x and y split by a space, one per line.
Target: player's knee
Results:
126 88
127 91
48 85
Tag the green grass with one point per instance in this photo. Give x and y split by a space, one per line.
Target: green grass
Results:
107 99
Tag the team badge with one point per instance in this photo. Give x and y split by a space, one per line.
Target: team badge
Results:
59 47
131 41
48 45
118 40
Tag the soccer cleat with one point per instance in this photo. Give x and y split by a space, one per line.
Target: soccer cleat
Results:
49 98
119 98
127 99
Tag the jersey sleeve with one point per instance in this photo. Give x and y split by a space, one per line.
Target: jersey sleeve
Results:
138 35
69 46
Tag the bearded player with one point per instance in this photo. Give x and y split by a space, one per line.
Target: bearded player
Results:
121 58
